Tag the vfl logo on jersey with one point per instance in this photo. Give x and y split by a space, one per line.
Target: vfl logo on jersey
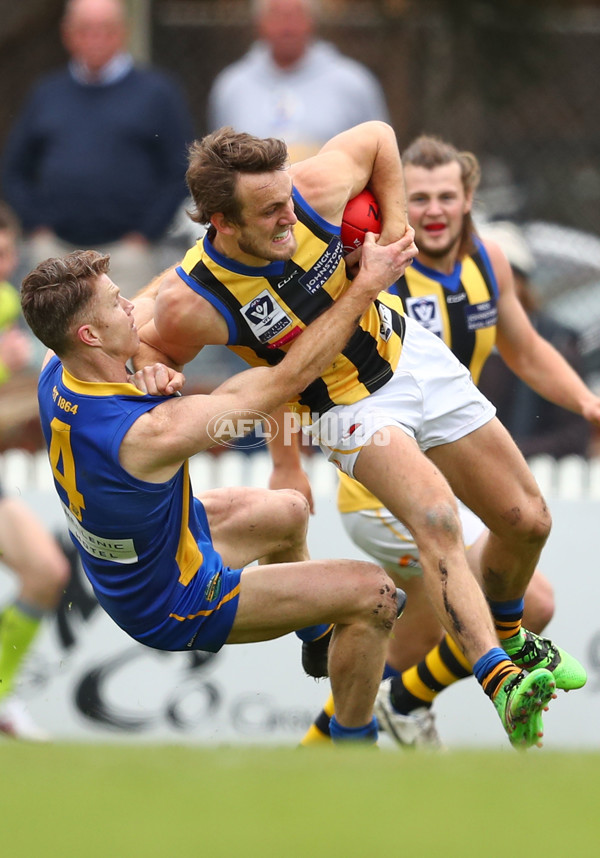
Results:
426 311
317 276
265 317
385 328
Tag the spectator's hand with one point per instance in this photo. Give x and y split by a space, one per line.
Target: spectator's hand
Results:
158 380
16 349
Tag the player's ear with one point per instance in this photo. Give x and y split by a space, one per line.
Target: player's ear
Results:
221 224
87 335
469 200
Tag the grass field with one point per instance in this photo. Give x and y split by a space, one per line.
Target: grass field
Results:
116 801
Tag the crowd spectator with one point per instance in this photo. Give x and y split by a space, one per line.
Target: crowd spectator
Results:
293 85
97 157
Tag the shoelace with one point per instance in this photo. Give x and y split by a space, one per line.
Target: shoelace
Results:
536 649
512 682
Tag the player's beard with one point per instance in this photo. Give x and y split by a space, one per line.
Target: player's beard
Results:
440 252
265 250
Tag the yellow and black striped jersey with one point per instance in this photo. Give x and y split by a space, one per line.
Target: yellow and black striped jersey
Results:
461 308
267 307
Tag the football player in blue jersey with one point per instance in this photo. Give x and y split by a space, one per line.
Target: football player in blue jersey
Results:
170 569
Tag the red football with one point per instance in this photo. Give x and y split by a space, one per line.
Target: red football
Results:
362 214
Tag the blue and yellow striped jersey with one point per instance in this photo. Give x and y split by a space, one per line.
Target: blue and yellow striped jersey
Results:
141 543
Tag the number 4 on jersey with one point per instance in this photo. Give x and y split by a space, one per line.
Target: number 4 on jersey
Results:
61 454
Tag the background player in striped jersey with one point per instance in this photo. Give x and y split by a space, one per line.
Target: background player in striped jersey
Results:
462 288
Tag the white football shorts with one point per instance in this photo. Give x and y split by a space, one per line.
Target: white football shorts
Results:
380 535
431 397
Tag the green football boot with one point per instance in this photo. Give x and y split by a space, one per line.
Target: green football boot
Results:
520 701
528 651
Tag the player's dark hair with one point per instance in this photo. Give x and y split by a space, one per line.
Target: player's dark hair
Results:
429 152
215 163
55 294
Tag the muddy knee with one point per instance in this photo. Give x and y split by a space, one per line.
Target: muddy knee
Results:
529 524
438 525
383 600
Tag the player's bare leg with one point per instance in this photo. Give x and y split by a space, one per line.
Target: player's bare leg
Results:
519 523
417 493
487 471
357 596
268 526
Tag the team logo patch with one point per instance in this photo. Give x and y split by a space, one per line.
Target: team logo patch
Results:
213 588
265 317
426 311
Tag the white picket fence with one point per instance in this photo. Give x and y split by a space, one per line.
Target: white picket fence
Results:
259 693
571 478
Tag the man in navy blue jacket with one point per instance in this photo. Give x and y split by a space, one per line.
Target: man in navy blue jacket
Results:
97 157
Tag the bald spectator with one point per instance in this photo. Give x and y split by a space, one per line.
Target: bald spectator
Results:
292 85
97 157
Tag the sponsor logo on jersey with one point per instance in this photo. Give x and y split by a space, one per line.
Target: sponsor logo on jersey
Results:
317 276
482 315
102 547
287 280
385 328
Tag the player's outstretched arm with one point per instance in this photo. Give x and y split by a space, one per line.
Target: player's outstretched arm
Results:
160 440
